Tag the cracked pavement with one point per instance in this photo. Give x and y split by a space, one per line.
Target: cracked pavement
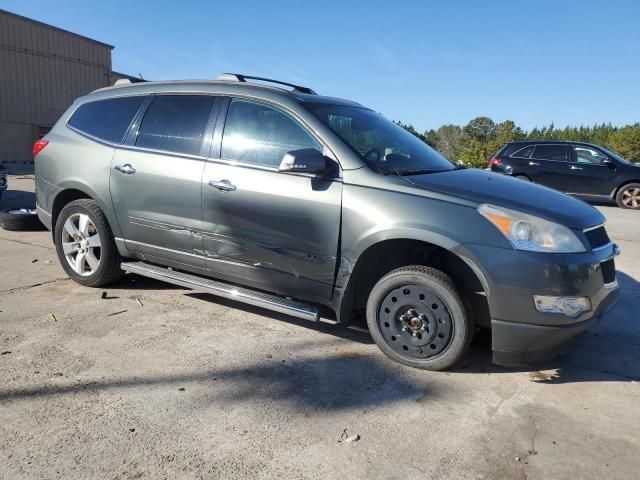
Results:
190 386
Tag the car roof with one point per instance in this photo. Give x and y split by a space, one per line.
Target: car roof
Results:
551 142
222 87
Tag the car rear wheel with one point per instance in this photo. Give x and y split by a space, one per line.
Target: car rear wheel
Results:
417 318
629 196
85 245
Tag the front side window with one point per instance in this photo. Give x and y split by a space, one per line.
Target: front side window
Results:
550 152
106 119
384 146
261 135
175 123
589 155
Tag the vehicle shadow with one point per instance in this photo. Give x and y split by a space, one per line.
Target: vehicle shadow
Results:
332 384
610 351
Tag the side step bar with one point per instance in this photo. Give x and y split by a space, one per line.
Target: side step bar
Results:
214 287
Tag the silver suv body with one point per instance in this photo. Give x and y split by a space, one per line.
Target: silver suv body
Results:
291 200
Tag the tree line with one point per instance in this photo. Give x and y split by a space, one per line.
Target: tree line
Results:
479 140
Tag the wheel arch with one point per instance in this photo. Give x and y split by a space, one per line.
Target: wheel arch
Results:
74 191
384 253
622 185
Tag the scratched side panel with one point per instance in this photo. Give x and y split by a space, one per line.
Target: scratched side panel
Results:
159 205
274 227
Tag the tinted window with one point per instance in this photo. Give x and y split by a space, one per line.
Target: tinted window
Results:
107 119
386 147
551 152
175 123
261 135
523 152
588 155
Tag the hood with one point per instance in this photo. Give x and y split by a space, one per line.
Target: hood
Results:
480 186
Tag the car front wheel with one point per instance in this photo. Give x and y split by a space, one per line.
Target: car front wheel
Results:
417 318
85 245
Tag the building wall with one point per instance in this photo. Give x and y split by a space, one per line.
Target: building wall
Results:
42 71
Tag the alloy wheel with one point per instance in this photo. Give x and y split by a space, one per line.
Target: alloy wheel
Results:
81 244
631 197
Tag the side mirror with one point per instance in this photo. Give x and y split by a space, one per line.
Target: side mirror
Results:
306 160
610 164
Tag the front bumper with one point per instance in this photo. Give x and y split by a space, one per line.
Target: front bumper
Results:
520 333
517 344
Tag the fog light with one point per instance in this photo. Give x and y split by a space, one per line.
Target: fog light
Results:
569 306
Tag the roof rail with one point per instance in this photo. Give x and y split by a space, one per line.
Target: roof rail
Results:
237 77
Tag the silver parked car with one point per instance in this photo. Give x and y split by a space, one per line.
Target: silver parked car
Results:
289 200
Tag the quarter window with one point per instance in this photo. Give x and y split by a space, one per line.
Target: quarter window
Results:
551 152
523 152
589 155
261 135
176 123
106 119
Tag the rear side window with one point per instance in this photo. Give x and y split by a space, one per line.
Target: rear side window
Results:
261 135
106 119
175 123
551 152
523 152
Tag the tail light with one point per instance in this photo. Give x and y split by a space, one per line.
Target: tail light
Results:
39 145
494 161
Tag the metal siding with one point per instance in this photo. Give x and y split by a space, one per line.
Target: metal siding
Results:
42 71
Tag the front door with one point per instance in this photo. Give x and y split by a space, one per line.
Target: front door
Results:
156 180
551 166
590 175
275 231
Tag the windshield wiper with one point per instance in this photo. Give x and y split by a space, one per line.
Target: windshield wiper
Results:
421 171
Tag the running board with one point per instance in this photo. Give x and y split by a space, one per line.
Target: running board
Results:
214 287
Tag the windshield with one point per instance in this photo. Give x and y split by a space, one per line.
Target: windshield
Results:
386 147
614 155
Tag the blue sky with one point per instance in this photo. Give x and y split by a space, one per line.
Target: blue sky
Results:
422 62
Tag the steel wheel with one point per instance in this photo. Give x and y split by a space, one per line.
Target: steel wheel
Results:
415 322
631 197
416 317
81 244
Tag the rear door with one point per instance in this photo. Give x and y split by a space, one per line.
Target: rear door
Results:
276 231
590 175
156 179
551 166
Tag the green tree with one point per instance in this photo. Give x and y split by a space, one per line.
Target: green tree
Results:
626 142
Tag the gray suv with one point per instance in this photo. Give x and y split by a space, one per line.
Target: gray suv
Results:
292 201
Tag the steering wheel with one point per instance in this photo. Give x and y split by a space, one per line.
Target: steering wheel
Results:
377 158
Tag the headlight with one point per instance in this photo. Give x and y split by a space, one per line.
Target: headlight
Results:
526 232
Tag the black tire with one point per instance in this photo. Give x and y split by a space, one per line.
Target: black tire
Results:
523 177
628 195
108 267
450 328
20 220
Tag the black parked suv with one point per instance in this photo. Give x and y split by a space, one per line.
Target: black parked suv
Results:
572 167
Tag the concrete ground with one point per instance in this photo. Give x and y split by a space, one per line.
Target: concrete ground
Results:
157 382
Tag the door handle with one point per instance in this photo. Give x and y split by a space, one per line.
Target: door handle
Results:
223 185
573 167
533 163
127 169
